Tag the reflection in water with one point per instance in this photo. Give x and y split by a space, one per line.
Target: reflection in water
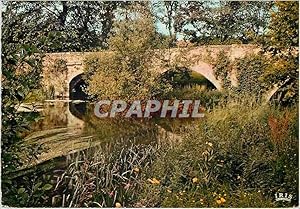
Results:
78 109
68 128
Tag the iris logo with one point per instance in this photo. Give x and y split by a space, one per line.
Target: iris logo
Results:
283 196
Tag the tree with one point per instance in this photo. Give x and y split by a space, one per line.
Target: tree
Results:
166 13
21 73
128 72
66 25
281 42
222 22
21 70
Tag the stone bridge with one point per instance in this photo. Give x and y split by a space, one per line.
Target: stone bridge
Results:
63 71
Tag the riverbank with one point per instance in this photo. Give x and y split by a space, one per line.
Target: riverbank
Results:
239 155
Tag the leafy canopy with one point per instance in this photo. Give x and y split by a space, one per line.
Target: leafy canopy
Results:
128 71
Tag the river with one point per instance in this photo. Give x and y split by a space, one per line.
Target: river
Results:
64 128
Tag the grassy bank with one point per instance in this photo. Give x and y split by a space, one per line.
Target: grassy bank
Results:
240 155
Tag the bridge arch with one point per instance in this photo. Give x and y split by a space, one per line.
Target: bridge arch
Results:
77 87
207 71
274 90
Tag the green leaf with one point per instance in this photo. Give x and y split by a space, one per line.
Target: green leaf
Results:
21 190
47 187
37 186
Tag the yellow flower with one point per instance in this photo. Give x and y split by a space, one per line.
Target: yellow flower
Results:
153 181
118 205
209 144
220 200
136 170
195 180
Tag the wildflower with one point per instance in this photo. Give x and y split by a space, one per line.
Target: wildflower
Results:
169 191
219 201
118 205
136 170
209 144
195 180
153 181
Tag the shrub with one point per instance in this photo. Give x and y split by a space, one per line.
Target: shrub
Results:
129 71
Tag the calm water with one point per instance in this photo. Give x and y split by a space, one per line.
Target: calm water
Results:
65 128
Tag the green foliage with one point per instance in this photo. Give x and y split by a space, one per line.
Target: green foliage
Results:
28 191
222 22
166 13
282 43
226 159
128 72
178 77
21 73
208 98
238 156
223 68
36 95
283 34
230 156
103 180
21 67
249 74
65 26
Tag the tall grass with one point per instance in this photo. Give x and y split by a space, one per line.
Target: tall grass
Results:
97 177
240 155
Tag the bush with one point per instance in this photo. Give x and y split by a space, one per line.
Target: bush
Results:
129 71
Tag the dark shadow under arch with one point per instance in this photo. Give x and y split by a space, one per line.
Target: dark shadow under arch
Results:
181 77
77 88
